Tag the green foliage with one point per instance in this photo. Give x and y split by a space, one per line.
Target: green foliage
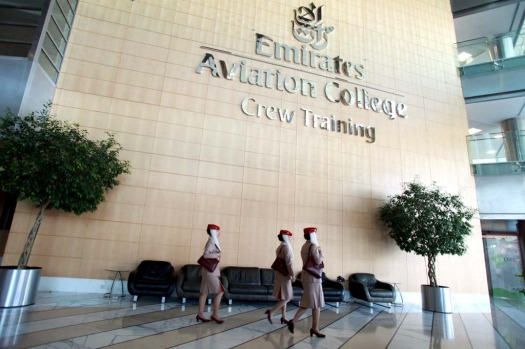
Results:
428 222
47 160
522 275
54 164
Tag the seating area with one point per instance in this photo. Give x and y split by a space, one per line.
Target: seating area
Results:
157 278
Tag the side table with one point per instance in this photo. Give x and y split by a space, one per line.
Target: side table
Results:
397 291
118 273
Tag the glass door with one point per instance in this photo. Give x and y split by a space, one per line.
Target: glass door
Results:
503 261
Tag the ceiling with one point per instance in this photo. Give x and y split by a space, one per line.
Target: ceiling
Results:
489 20
487 116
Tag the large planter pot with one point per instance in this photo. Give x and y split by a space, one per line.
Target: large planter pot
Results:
18 287
437 299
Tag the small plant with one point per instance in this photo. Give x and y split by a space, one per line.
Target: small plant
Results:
428 222
55 165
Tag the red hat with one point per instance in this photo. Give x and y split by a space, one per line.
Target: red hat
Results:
285 232
213 227
310 230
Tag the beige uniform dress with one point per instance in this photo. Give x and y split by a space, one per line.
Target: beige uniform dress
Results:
313 291
282 288
211 282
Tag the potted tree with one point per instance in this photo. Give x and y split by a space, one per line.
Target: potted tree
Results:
429 222
53 164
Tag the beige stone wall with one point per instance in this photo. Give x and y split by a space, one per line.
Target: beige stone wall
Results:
196 158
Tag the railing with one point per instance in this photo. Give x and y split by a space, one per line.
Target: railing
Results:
497 153
505 50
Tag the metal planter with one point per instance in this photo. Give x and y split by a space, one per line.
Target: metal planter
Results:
436 298
18 287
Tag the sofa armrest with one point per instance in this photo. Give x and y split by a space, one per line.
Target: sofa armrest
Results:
333 284
384 285
358 290
173 281
131 282
180 280
226 285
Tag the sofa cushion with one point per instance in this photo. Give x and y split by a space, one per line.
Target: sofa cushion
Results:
267 277
192 272
151 285
331 291
242 276
248 289
379 292
191 286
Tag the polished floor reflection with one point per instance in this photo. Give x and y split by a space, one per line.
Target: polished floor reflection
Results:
73 320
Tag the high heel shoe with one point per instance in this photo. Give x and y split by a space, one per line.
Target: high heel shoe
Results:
317 333
267 312
290 326
219 321
200 318
284 321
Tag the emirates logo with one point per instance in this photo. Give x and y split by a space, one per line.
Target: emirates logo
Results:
307 27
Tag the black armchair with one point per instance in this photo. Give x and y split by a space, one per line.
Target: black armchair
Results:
366 287
152 278
333 291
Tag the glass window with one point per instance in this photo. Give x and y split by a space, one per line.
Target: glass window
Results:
73 4
52 52
66 10
60 20
57 37
45 63
57 33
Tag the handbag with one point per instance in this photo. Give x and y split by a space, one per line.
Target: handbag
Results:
209 263
313 268
279 264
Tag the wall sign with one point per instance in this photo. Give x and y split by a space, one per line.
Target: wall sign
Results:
313 36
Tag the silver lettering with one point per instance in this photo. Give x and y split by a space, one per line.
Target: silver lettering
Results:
244 106
328 91
208 62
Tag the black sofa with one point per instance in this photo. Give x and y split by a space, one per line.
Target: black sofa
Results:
189 282
152 278
251 284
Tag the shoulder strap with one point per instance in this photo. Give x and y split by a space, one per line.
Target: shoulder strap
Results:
310 249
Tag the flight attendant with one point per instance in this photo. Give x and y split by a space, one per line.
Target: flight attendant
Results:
211 282
313 297
282 289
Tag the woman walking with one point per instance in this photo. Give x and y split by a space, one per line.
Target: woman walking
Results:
282 289
313 297
211 283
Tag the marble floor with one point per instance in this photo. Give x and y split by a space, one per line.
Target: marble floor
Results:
78 320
